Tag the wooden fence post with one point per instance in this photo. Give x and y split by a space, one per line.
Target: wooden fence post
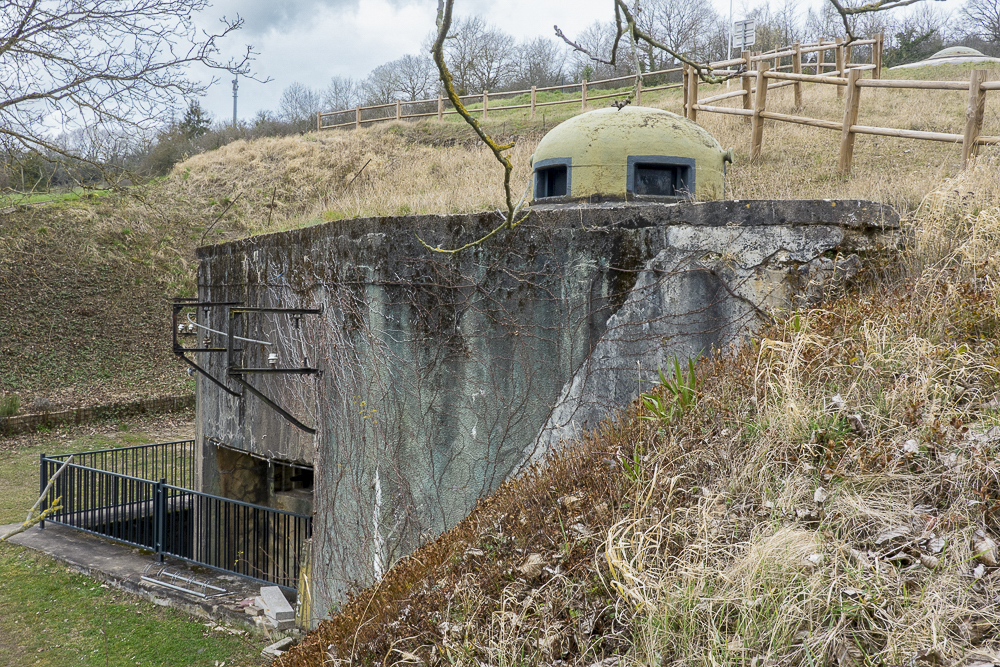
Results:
757 122
797 69
486 104
319 121
848 54
398 108
820 58
974 115
583 95
693 95
747 84
850 118
440 108
877 57
839 53
357 117
532 103
685 75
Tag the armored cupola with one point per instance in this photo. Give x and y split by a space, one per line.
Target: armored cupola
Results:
628 154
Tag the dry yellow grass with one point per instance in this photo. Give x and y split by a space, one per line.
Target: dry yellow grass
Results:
373 172
885 404
433 167
757 528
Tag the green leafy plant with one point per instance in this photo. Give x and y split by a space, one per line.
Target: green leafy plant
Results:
681 394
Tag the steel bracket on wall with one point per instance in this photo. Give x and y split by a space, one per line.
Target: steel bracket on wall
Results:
182 329
237 373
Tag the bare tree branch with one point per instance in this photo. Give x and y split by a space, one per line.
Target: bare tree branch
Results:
34 517
846 11
437 52
114 64
636 35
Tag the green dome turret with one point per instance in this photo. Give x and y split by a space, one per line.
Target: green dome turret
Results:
635 153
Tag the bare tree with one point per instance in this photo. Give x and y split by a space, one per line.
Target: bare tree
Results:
460 49
299 105
115 64
849 10
540 62
685 26
983 18
416 77
776 26
341 93
825 22
494 60
715 44
597 57
478 55
380 86
822 23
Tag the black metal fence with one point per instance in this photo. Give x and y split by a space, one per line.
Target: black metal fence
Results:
97 496
170 461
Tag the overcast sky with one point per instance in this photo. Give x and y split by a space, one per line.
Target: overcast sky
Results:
310 41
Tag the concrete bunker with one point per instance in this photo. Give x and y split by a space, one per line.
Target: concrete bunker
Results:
438 376
443 375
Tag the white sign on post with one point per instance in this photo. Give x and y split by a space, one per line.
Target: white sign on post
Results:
744 34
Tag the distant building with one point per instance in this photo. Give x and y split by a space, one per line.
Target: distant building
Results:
951 56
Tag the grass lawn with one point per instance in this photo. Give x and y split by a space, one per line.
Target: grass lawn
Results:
15 198
52 616
19 461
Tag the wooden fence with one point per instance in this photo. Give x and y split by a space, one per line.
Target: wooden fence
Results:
756 84
440 107
759 72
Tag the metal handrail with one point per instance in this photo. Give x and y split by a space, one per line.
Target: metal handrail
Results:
162 517
59 457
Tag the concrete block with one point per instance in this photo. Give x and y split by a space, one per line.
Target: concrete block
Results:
277 648
274 604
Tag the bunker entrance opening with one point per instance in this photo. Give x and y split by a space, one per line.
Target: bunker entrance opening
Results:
141 496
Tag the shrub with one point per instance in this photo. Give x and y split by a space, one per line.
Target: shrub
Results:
9 405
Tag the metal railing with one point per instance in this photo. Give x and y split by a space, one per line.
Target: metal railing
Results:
172 461
96 496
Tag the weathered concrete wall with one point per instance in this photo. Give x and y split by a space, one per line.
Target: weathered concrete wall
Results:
442 374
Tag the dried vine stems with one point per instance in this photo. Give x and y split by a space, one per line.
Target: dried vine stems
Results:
437 51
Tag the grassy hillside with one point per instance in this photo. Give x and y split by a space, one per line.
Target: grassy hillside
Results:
817 504
85 281
825 497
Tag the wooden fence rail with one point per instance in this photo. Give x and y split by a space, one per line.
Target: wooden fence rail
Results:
759 73
398 110
756 85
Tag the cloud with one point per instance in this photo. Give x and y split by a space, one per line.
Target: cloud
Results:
287 16
310 41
